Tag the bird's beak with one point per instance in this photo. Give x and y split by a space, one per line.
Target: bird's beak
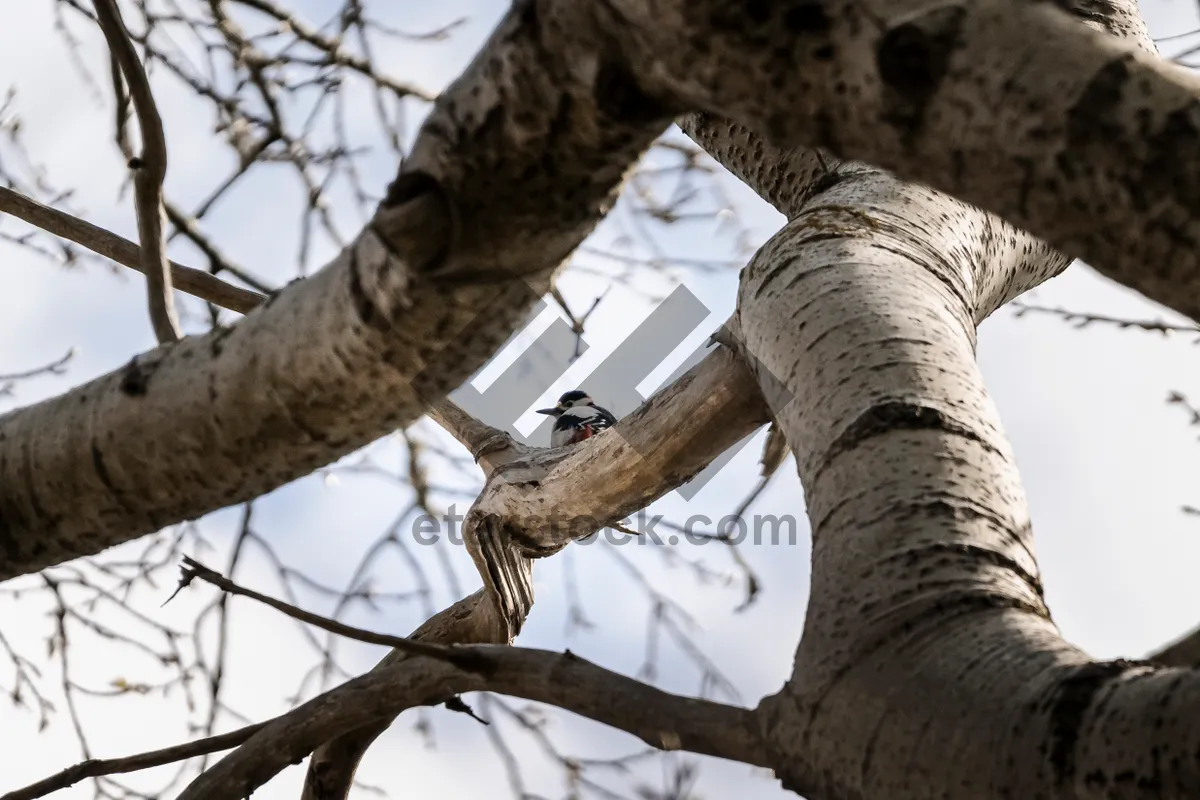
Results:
550 412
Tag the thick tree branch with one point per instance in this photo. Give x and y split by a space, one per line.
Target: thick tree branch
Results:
1183 652
149 171
489 204
1073 134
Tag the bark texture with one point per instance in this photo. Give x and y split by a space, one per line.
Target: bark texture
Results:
930 665
515 166
1072 134
567 493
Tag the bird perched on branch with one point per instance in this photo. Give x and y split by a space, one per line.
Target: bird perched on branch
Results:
577 417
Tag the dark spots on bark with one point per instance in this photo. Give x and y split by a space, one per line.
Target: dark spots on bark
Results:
408 186
527 13
135 379
1072 700
957 604
368 313
101 469
107 481
807 18
1175 144
822 183
1090 118
619 95
927 558
216 342
896 415
913 60
429 226
826 127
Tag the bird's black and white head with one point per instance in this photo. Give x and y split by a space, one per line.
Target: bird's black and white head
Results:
575 398
577 417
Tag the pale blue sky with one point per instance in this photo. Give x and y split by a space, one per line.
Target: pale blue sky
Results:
1106 463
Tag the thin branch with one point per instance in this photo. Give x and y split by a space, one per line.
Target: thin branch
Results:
478 437
94 768
195 282
1082 319
149 172
53 368
194 569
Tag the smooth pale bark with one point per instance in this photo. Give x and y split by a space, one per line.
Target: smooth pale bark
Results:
929 665
512 170
1070 133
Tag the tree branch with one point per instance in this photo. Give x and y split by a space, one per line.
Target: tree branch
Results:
194 569
662 720
195 282
149 172
444 273
94 768
1183 652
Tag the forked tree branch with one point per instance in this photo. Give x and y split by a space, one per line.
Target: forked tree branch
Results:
660 719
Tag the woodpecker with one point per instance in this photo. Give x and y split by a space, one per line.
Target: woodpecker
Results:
577 417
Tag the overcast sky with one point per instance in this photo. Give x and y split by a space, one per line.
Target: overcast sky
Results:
1107 464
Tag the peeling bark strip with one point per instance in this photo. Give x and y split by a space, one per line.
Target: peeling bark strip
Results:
519 160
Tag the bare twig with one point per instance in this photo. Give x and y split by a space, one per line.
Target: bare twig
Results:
194 569
149 171
94 768
53 368
1082 319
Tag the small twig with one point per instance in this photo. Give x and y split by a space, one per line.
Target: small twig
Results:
1082 320
458 704
194 569
53 368
149 172
94 768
